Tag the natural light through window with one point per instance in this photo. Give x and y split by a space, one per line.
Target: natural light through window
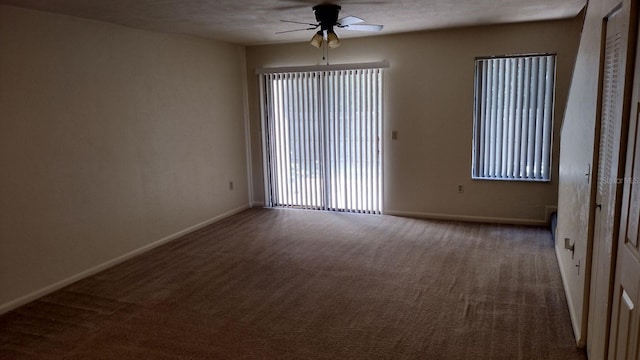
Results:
513 118
322 139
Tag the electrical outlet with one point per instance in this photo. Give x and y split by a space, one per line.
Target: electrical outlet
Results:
394 135
230 185
460 189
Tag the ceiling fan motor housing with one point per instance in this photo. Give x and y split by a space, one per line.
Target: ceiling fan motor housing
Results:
327 15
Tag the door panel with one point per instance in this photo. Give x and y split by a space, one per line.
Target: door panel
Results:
624 325
625 321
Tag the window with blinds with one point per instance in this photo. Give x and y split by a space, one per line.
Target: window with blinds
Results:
321 132
513 118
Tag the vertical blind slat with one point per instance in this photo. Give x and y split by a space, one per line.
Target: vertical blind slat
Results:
492 119
509 168
369 148
525 121
336 142
540 117
288 148
548 111
293 140
486 156
304 143
353 126
275 145
517 136
532 120
311 136
499 118
480 156
329 141
326 171
273 91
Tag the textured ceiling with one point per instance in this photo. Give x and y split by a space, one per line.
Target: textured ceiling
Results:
256 21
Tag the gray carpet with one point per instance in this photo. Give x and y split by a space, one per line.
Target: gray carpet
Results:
291 284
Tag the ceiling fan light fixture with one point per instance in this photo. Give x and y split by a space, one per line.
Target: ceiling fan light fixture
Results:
332 39
327 20
316 40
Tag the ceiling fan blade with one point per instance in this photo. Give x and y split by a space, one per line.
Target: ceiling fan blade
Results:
298 22
288 31
363 27
349 20
286 8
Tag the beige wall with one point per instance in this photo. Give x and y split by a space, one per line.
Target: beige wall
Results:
577 152
429 91
110 139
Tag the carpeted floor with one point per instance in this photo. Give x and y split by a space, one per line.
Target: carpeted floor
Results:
288 284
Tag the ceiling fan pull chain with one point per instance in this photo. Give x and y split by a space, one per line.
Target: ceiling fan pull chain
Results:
325 53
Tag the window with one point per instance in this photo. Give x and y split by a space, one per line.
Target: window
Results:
513 118
321 136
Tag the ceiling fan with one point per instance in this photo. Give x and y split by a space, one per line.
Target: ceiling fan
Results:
327 20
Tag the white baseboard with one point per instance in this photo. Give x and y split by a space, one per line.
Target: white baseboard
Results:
580 342
94 270
481 219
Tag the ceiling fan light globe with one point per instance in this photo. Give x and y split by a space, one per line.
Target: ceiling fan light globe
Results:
316 40
332 40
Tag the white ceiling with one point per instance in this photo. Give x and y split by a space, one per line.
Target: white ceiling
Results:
252 22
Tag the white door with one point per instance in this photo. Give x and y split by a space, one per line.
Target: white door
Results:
611 153
625 321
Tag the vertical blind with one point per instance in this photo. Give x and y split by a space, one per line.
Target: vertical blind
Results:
321 135
513 120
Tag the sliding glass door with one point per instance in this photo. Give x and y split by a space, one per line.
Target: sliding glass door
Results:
322 135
